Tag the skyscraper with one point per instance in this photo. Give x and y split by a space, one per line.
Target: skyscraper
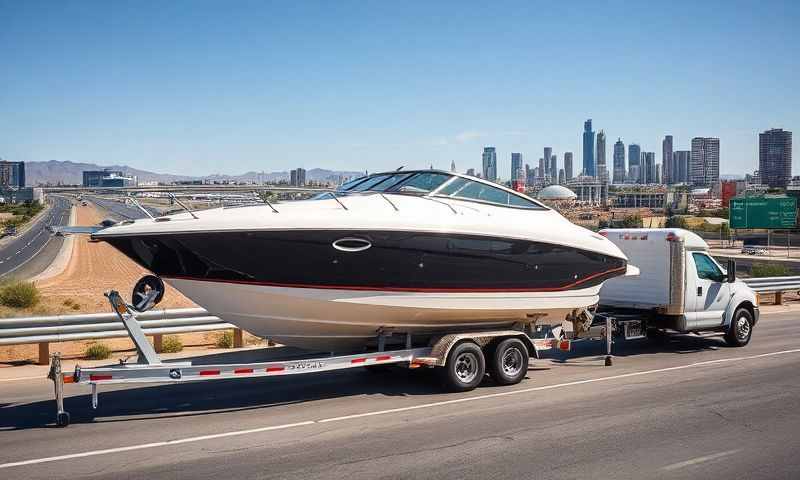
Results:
568 166
619 161
600 155
553 169
588 148
453 166
517 173
12 174
548 152
542 174
634 163
704 171
666 159
648 167
775 157
680 165
489 164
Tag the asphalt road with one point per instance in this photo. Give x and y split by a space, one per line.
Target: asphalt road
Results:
32 251
119 210
691 408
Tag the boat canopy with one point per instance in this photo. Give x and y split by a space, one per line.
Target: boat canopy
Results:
435 183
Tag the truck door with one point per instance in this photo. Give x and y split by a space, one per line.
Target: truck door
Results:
711 292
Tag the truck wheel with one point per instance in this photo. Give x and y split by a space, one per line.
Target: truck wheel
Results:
741 328
464 368
509 362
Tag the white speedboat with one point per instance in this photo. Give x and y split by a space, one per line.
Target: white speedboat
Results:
410 252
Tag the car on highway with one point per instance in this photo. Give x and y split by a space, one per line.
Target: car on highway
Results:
754 250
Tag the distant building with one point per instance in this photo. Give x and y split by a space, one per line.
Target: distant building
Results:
588 149
619 161
553 169
453 166
106 178
471 172
12 174
517 173
680 161
634 163
704 171
542 169
297 177
489 162
568 166
659 180
600 156
548 152
775 157
561 177
649 165
666 160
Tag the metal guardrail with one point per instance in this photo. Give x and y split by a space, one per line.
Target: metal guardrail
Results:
773 284
59 328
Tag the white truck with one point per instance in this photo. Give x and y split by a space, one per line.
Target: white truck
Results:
680 287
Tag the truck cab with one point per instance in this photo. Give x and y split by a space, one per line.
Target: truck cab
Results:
680 286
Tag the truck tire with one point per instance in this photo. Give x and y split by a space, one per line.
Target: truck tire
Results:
741 328
464 369
509 362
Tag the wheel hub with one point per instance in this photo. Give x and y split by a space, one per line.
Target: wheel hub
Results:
466 367
742 328
512 362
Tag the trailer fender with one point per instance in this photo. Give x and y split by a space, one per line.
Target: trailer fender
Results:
441 347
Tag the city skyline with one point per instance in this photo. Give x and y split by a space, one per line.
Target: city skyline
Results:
264 94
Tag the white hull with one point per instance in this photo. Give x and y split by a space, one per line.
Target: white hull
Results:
339 319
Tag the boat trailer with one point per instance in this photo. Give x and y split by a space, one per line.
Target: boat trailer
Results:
150 368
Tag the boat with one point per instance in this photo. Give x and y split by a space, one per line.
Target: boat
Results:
404 251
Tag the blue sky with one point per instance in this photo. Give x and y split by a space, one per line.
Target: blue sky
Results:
201 87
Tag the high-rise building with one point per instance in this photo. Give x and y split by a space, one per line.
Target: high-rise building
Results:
648 164
542 169
658 174
490 164
704 171
666 159
12 174
588 148
634 160
553 169
619 161
561 177
680 165
453 166
600 156
297 177
517 173
775 157
548 152
568 166
471 172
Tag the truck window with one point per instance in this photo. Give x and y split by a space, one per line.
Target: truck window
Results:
706 268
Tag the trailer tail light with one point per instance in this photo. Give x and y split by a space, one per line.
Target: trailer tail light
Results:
564 345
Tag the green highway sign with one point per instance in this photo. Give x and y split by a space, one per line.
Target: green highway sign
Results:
763 212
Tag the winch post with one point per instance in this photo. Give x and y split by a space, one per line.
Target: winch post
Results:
146 354
609 342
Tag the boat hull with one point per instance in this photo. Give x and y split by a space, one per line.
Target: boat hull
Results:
334 319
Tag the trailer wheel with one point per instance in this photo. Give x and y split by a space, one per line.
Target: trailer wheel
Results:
464 368
509 362
741 328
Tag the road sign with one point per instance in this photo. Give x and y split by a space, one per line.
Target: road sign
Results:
763 212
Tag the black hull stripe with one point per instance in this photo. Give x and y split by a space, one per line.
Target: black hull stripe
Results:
404 289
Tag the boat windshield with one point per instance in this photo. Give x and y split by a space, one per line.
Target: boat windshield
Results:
439 184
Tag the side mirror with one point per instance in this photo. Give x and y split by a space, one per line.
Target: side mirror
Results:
731 270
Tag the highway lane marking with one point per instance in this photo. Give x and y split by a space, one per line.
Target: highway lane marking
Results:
703 459
235 433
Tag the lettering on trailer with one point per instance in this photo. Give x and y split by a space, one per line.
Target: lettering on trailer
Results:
305 365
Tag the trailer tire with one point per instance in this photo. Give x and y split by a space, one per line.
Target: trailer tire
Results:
62 419
741 328
464 369
509 362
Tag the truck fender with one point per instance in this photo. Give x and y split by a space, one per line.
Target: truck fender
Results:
740 300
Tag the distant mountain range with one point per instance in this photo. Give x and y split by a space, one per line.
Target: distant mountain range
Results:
56 172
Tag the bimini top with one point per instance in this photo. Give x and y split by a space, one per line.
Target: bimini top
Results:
556 192
438 183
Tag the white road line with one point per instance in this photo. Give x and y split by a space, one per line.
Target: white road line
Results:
705 458
93 453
